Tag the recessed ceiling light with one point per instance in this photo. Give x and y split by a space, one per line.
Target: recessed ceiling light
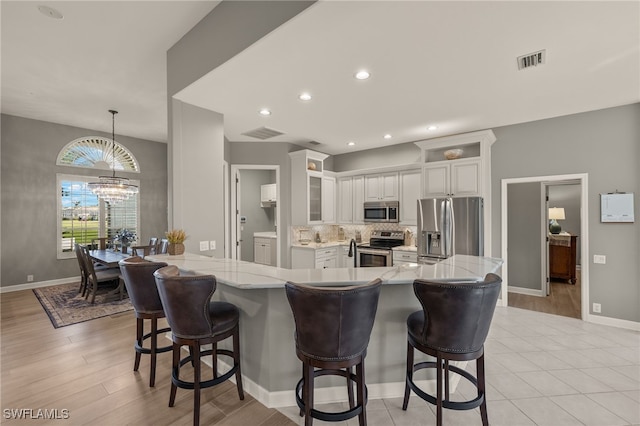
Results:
387 136
362 75
265 112
50 12
351 143
304 96
432 127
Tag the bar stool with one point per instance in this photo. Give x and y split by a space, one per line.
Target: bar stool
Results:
141 286
195 320
452 326
333 326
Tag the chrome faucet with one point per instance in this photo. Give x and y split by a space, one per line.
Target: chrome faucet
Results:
353 252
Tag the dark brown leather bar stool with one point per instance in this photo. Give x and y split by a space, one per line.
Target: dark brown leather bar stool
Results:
452 326
142 290
333 326
195 320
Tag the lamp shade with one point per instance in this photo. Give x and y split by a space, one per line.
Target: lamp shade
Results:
556 213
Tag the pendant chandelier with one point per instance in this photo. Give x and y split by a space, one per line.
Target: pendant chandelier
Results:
113 189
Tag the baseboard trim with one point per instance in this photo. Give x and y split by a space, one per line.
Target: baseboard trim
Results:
614 322
279 399
39 284
527 291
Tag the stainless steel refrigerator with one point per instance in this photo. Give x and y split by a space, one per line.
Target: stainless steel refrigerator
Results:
448 226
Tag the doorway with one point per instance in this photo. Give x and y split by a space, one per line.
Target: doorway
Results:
525 249
249 215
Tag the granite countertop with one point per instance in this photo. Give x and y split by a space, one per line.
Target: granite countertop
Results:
248 275
406 248
266 234
313 245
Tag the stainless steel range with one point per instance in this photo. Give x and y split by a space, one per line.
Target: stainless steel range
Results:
378 251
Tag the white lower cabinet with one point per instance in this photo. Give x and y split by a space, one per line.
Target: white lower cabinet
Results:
344 261
264 251
309 258
401 257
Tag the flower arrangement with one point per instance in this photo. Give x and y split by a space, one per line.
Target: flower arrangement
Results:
176 236
125 236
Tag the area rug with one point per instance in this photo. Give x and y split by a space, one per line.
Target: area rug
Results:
65 306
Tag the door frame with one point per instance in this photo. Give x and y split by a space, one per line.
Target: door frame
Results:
582 180
234 217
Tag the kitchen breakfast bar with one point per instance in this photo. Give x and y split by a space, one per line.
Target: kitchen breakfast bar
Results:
270 367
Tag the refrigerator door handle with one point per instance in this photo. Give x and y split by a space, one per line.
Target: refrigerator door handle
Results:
452 229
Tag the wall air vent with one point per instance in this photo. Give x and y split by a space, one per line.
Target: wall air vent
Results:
263 133
532 59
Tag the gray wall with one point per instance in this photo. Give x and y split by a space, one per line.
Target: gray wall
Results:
259 218
525 235
197 148
605 144
405 153
29 195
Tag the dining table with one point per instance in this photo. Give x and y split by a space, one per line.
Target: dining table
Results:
107 257
110 258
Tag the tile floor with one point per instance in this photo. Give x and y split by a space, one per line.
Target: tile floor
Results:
542 369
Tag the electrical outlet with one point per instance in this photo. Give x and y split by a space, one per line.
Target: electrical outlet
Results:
29 278
599 258
212 245
204 246
597 308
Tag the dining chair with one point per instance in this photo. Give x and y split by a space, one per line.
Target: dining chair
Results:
163 246
98 276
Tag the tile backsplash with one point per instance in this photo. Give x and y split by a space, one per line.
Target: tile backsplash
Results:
330 232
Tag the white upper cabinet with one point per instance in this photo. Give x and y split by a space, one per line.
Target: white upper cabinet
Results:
328 199
345 200
268 195
409 195
457 178
381 187
307 189
457 166
350 199
358 199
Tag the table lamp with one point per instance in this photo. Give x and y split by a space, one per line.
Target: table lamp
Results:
555 214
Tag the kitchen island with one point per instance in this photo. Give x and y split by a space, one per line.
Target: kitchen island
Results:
270 367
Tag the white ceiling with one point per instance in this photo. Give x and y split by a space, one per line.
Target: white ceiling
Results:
102 55
450 64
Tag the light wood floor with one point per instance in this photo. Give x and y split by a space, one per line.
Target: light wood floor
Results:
564 299
87 368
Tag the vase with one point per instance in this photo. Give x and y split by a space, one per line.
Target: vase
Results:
175 248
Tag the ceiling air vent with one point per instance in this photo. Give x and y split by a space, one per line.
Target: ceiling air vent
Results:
314 143
263 133
532 59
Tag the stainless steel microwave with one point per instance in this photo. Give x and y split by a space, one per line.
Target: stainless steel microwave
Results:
381 211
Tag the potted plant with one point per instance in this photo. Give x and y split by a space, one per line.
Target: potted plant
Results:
176 239
125 237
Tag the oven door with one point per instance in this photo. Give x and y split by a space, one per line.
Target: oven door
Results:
370 257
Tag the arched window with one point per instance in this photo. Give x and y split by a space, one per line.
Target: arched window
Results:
82 216
96 152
